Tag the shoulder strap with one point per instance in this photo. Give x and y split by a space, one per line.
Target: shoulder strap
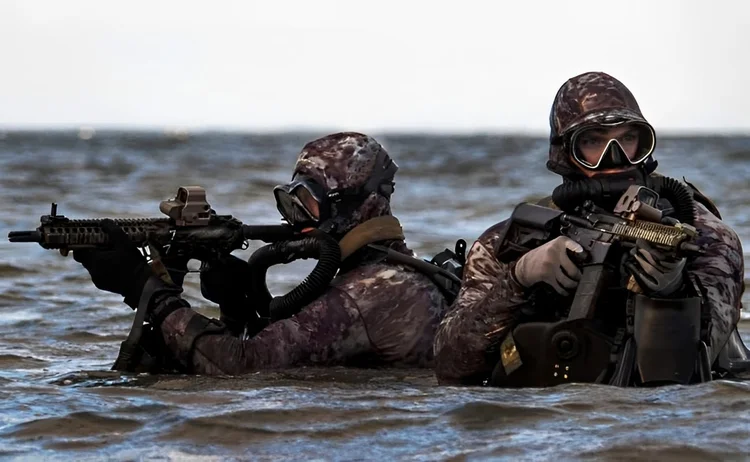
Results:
547 202
448 283
382 228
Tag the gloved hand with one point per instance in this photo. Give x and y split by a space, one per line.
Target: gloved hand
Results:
176 267
657 273
120 269
226 280
553 264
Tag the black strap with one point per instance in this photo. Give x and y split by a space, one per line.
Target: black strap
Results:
128 355
448 283
197 327
458 254
698 290
630 314
616 352
158 317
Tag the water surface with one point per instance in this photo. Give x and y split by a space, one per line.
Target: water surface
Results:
60 335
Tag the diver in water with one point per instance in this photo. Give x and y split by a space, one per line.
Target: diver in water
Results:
598 134
375 312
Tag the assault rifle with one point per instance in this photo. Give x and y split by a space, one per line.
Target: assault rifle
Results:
191 231
599 232
574 349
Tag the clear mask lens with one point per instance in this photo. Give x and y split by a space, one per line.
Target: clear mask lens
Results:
613 146
297 204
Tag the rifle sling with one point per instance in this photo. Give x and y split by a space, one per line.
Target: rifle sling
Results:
374 230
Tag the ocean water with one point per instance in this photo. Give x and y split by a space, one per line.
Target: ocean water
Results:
59 335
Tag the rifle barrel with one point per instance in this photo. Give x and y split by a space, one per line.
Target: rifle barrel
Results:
268 233
25 236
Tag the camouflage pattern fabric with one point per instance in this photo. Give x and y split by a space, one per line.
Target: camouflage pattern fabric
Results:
585 100
490 301
488 306
376 314
340 161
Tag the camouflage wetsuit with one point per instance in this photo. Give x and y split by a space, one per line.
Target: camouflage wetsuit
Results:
375 312
490 302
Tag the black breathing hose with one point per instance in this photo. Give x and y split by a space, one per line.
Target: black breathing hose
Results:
572 194
679 196
315 244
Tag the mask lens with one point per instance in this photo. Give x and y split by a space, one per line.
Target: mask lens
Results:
297 204
646 143
309 203
590 145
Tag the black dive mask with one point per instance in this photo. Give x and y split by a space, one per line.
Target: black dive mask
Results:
305 203
301 202
594 149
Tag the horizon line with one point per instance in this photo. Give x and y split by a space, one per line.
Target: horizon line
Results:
178 131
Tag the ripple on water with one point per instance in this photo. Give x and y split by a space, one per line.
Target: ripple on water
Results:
82 424
263 425
11 361
655 450
10 270
90 337
480 415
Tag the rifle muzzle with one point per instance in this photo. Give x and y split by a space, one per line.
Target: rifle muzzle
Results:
25 236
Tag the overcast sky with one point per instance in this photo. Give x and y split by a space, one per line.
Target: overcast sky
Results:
366 65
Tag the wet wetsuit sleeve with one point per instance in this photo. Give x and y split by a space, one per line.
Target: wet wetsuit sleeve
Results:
720 273
480 318
328 331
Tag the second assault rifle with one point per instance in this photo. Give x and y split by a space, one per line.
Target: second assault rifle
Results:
191 230
574 349
635 217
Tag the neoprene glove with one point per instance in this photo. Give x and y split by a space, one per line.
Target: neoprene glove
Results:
226 280
120 269
551 263
176 267
657 273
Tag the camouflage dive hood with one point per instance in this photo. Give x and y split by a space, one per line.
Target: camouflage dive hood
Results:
588 99
341 161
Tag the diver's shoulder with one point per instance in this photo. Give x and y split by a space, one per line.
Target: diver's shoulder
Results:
378 276
389 286
490 236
